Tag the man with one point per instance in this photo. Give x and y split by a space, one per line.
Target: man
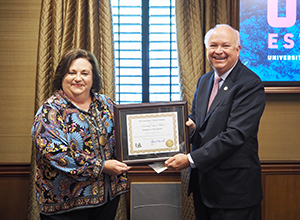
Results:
225 174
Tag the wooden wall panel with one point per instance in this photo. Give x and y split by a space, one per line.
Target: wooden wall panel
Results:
14 197
281 183
14 185
282 197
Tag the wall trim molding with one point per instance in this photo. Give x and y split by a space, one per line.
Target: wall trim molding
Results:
279 167
14 170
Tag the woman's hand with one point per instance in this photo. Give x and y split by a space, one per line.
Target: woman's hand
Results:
115 167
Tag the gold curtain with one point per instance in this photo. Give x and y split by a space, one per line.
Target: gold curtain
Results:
66 24
193 19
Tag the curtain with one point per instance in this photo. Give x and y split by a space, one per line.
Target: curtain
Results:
193 19
66 24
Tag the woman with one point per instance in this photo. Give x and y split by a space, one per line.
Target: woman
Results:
77 176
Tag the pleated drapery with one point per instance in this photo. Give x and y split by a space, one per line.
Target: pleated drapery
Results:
67 24
193 19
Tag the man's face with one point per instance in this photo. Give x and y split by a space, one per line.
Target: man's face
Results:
222 51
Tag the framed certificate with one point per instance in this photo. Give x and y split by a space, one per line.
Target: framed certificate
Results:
150 132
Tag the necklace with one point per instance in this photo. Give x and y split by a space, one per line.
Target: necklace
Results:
96 124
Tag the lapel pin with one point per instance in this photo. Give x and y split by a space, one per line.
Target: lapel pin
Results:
225 88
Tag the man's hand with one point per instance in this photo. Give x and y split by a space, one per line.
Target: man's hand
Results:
178 162
115 167
191 125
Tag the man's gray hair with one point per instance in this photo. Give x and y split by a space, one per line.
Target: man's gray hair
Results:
210 32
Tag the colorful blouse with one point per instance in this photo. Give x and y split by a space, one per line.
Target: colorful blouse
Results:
72 146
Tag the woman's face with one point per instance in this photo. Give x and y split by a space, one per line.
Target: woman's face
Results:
78 82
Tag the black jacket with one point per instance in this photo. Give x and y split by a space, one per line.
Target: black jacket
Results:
225 146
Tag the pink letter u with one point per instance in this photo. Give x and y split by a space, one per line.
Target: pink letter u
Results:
283 22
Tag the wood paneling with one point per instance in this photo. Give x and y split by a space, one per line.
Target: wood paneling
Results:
147 174
281 183
14 185
282 197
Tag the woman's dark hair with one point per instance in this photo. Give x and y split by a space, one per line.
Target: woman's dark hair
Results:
65 63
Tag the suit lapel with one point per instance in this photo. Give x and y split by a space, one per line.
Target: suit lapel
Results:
206 94
225 88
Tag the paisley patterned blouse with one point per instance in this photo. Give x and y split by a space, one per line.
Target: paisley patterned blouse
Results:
72 146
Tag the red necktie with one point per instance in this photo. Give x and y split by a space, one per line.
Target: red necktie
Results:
214 91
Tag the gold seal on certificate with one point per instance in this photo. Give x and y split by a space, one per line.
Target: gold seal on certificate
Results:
169 143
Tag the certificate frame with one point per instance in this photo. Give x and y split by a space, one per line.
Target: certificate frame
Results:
127 115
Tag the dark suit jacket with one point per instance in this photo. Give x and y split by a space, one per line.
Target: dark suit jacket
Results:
225 146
